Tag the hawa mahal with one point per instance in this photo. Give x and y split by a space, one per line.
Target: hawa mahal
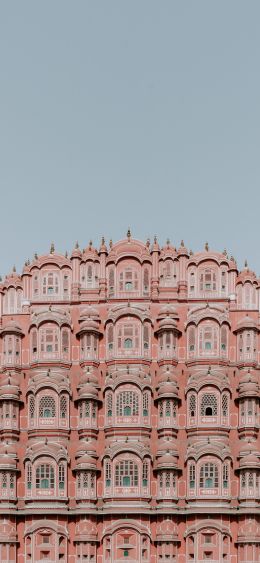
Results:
129 407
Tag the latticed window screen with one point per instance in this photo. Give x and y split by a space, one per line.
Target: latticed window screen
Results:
4 480
47 407
224 405
243 480
160 408
192 405
145 473
108 473
223 338
145 403
111 279
209 405
61 476
126 474
225 475
63 406
110 336
109 404
250 479
12 481
191 339
146 279
192 476
34 341
31 406
45 477
127 403
65 340
209 476
146 336
29 476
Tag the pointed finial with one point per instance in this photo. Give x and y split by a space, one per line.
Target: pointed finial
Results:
128 234
168 242
206 246
191 252
76 244
14 269
155 239
90 243
103 240
1 278
182 242
246 264
52 249
36 256
66 254
148 242
225 252
111 243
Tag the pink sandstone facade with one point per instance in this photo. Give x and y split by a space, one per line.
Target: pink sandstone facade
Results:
129 407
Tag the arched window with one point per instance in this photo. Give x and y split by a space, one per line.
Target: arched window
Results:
146 336
50 284
208 281
31 406
111 281
126 473
34 342
191 341
223 340
128 337
61 476
65 341
110 337
49 340
209 478
225 476
127 403
128 280
109 404
47 407
128 343
224 402
192 476
192 405
63 406
208 339
108 473
145 403
209 405
45 476
146 281
145 473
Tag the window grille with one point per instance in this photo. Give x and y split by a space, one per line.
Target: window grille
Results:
146 336
44 477
31 406
224 405
209 476
110 337
127 403
160 409
29 476
109 404
243 480
4 480
108 473
250 480
65 340
191 339
12 481
192 405
145 474
61 476
209 405
225 475
47 407
34 341
145 403
126 474
63 406
146 280
192 476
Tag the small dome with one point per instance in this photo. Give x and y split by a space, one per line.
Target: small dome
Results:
12 327
167 324
167 460
246 322
87 391
7 461
250 460
86 462
167 311
168 389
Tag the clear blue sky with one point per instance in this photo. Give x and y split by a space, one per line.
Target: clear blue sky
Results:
136 113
